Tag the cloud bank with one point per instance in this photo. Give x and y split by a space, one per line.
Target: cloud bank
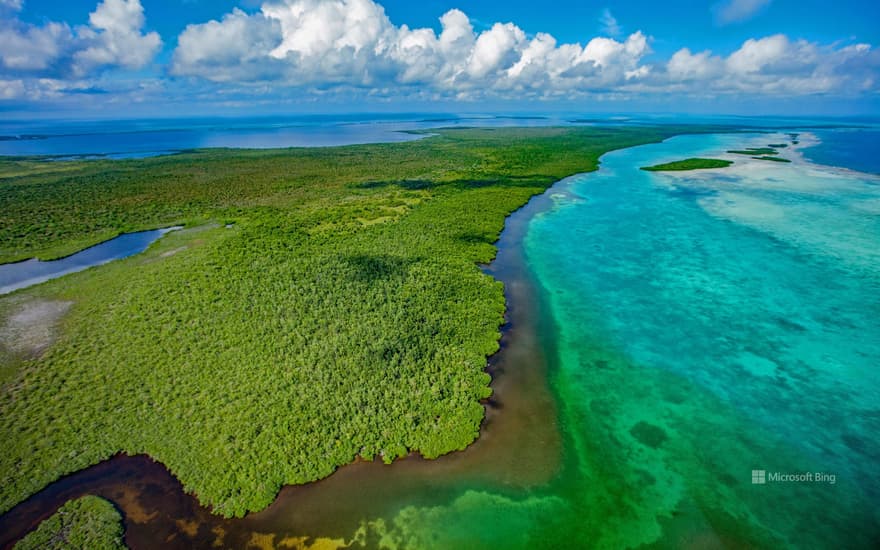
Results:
315 48
353 43
112 39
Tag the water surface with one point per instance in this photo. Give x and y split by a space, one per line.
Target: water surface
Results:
64 140
710 324
854 148
31 272
116 139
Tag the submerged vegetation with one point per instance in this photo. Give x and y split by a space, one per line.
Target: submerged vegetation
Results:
88 522
689 164
341 314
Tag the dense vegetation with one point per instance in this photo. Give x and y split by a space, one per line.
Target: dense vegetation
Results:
342 314
85 523
689 164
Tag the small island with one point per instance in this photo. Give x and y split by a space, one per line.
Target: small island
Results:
774 159
689 164
753 151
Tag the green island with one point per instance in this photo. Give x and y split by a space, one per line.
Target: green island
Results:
320 305
87 522
778 145
774 159
752 151
689 164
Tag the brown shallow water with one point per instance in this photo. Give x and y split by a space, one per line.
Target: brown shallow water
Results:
519 447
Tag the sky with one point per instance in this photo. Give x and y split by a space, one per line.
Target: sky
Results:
104 58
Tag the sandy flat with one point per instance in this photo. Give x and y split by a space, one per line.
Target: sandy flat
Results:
30 329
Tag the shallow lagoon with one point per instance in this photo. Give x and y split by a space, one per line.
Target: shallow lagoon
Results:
712 323
30 272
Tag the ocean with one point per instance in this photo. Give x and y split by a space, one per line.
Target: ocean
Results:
120 139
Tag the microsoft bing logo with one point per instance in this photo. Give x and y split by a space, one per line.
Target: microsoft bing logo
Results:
759 477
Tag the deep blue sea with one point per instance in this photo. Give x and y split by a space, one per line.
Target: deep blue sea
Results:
854 148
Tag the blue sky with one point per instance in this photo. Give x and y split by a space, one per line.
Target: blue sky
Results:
155 57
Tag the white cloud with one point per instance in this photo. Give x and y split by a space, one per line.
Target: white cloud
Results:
315 27
737 11
684 65
776 65
352 42
499 48
350 48
234 48
31 48
609 23
755 55
113 38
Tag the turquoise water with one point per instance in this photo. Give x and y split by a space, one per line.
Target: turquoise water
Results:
714 323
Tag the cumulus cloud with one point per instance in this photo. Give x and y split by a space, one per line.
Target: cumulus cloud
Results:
236 48
353 43
777 65
113 38
737 11
350 48
684 65
33 49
